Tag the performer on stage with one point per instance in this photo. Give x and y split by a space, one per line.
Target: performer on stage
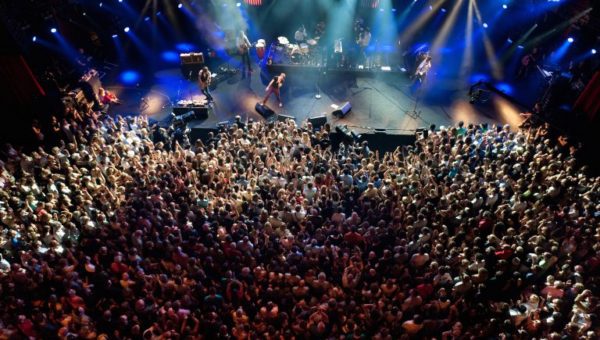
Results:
243 45
204 77
422 69
527 63
300 35
364 38
273 87
338 53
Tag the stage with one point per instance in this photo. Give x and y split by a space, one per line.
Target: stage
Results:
382 102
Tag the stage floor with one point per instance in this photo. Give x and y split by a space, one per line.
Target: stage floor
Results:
378 102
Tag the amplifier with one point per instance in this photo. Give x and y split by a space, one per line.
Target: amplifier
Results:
191 58
191 63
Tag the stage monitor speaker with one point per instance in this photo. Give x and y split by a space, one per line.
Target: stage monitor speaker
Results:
343 110
283 118
200 112
318 122
264 110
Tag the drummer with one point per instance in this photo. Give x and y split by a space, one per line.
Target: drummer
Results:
300 35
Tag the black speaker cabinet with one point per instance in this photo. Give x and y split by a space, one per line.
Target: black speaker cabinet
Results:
264 110
318 121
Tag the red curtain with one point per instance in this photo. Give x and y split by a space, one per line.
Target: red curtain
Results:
589 100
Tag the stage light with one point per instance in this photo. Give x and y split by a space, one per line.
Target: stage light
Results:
593 50
53 30
505 6
115 35
442 36
126 29
443 10
570 39
34 39
120 0
100 5
129 77
239 4
180 5
147 19
158 13
509 40
485 25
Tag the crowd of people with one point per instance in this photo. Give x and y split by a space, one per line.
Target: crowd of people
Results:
265 231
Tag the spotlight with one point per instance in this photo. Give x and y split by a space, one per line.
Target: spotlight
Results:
570 39
34 39
115 35
53 30
100 5
509 40
120 0
443 10
126 29
147 19
485 25
180 5
239 4
505 6
593 50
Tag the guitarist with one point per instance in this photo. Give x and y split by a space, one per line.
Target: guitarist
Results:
423 69
243 45
205 77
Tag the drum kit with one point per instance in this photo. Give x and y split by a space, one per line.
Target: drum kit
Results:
297 53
